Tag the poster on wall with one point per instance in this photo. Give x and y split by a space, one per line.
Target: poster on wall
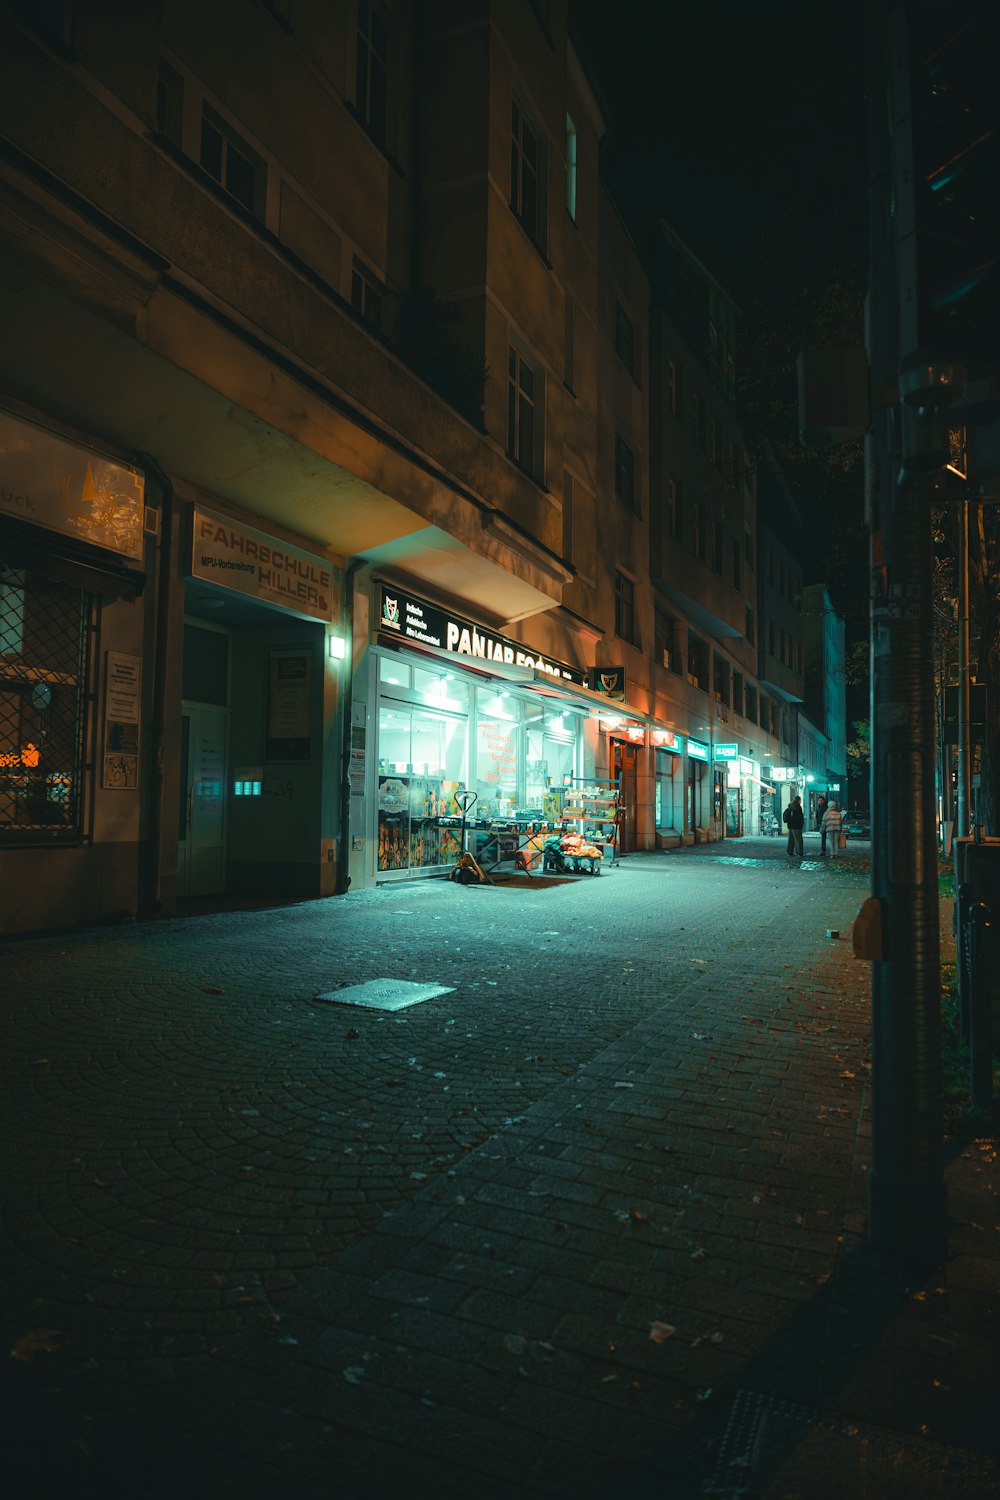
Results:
289 680
120 765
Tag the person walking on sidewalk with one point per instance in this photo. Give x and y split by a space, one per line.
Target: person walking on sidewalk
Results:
831 824
820 810
794 817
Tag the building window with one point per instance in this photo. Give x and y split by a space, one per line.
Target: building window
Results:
43 694
714 454
733 464
737 692
526 176
571 168
373 71
748 548
749 625
698 418
366 294
625 608
798 656
697 663
169 103
625 472
524 412
751 704
718 547
781 644
782 578
720 680
770 637
699 541
235 167
737 567
675 510
624 338
770 566
665 643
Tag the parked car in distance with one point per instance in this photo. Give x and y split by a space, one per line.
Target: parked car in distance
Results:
857 825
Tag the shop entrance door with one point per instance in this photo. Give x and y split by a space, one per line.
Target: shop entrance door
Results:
624 772
201 848
422 762
734 812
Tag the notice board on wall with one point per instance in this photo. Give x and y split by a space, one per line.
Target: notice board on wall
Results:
289 707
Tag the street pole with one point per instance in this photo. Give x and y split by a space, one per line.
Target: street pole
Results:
964 694
907 1196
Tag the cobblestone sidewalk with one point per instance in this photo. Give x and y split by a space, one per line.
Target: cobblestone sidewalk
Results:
592 1220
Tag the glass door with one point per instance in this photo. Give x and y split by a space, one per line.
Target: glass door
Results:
422 763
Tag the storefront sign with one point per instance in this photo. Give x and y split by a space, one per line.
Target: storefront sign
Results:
782 773
746 766
404 616
697 751
727 752
608 680
665 739
249 562
52 483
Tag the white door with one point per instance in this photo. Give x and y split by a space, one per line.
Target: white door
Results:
201 869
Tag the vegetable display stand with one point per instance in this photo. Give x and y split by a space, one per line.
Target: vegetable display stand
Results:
592 809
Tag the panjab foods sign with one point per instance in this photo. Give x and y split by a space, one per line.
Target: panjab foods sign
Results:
249 562
413 619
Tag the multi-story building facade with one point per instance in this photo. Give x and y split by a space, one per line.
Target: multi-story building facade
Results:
704 547
330 484
824 635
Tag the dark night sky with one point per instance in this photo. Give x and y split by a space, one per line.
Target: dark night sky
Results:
747 121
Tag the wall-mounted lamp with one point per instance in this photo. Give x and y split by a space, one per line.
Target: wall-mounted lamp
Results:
337 647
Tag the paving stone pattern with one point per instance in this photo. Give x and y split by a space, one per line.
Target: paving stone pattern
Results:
529 1238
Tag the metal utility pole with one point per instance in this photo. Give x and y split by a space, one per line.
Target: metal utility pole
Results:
964 798
907 1195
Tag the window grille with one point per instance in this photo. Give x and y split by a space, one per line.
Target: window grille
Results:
43 673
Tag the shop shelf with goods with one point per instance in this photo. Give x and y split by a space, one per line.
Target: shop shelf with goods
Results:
592 808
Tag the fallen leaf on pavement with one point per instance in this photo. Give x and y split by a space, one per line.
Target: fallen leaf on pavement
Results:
38 1341
660 1332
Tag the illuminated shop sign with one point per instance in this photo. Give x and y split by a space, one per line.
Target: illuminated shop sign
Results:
55 484
608 680
263 567
782 773
727 752
697 751
408 618
665 739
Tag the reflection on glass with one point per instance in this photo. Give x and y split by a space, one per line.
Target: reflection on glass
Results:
422 763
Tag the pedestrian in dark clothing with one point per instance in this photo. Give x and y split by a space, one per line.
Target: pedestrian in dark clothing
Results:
820 810
794 818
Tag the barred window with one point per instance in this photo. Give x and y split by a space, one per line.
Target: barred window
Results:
43 672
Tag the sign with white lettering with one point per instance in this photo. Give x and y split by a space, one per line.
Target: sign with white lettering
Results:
697 751
249 562
727 752
408 618
52 483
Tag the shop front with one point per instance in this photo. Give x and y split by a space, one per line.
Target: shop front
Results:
73 695
450 719
256 806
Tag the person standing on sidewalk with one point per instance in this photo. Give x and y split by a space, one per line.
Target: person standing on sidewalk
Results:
820 810
795 819
831 824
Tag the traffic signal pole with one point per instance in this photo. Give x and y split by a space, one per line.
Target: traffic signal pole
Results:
907 1194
